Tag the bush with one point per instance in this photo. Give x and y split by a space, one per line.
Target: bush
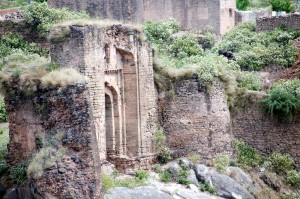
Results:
159 32
281 163
166 176
3 114
164 155
40 17
108 182
185 46
249 80
207 187
246 155
242 4
290 196
283 99
3 166
141 174
221 162
194 157
282 5
19 173
293 178
4 140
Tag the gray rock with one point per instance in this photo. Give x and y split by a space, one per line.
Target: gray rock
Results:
271 180
2 191
137 193
192 177
226 187
19 193
62 170
240 176
174 169
185 163
189 194
201 172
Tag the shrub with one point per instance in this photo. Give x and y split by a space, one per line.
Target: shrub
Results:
3 114
246 155
164 155
194 157
108 182
208 37
242 4
290 196
207 187
159 32
40 17
185 46
283 100
62 78
4 140
166 176
249 80
141 174
282 5
3 166
18 173
281 163
220 162
293 178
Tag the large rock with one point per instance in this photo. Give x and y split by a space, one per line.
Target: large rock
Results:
19 193
189 194
2 191
201 172
185 163
192 177
226 187
174 169
240 176
137 193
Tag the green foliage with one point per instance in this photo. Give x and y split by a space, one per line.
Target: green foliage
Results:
165 176
283 99
207 187
19 173
12 3
157 168
3 114
293 178
282 5
281 163
141 174
183 173
249 80
3 166
164 154
40 17
242 4
254 51
194 157
207 37
159 138
159 32
221 162
109 182
290 196
246 155
185 46
4 139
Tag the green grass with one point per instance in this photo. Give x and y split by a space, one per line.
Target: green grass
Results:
4 4
4 139
109 182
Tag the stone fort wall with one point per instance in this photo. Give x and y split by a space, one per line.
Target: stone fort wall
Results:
192 14
270 23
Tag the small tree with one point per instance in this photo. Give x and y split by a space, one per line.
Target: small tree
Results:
282 5
242 4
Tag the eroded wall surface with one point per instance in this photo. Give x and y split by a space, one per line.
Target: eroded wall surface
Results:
265 133
197 120
192 14
46 113
271 23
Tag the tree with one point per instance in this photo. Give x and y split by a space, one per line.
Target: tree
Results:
282 5
242 4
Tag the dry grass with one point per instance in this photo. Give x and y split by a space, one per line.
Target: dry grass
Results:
44 159
62 78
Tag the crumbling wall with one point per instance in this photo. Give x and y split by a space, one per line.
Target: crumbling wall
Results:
265 133
271 23
251 15
47 112
197 120
190 13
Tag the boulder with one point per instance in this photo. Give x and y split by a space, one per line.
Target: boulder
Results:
137 193
19 193
2 191
201 172
226 187
174 169
192 177
240 176
185 163
190 194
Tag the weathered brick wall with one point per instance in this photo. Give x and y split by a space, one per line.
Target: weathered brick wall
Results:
48 112
251 15
267 134
190 13
196 120
270 23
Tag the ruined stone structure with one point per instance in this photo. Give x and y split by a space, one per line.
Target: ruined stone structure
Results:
192 14
271 23
251 15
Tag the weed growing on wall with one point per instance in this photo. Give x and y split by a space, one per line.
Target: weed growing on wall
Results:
18 173
293 178
281 163
40 17
166 176
164 154
207 187
283 99
3 113
220 162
